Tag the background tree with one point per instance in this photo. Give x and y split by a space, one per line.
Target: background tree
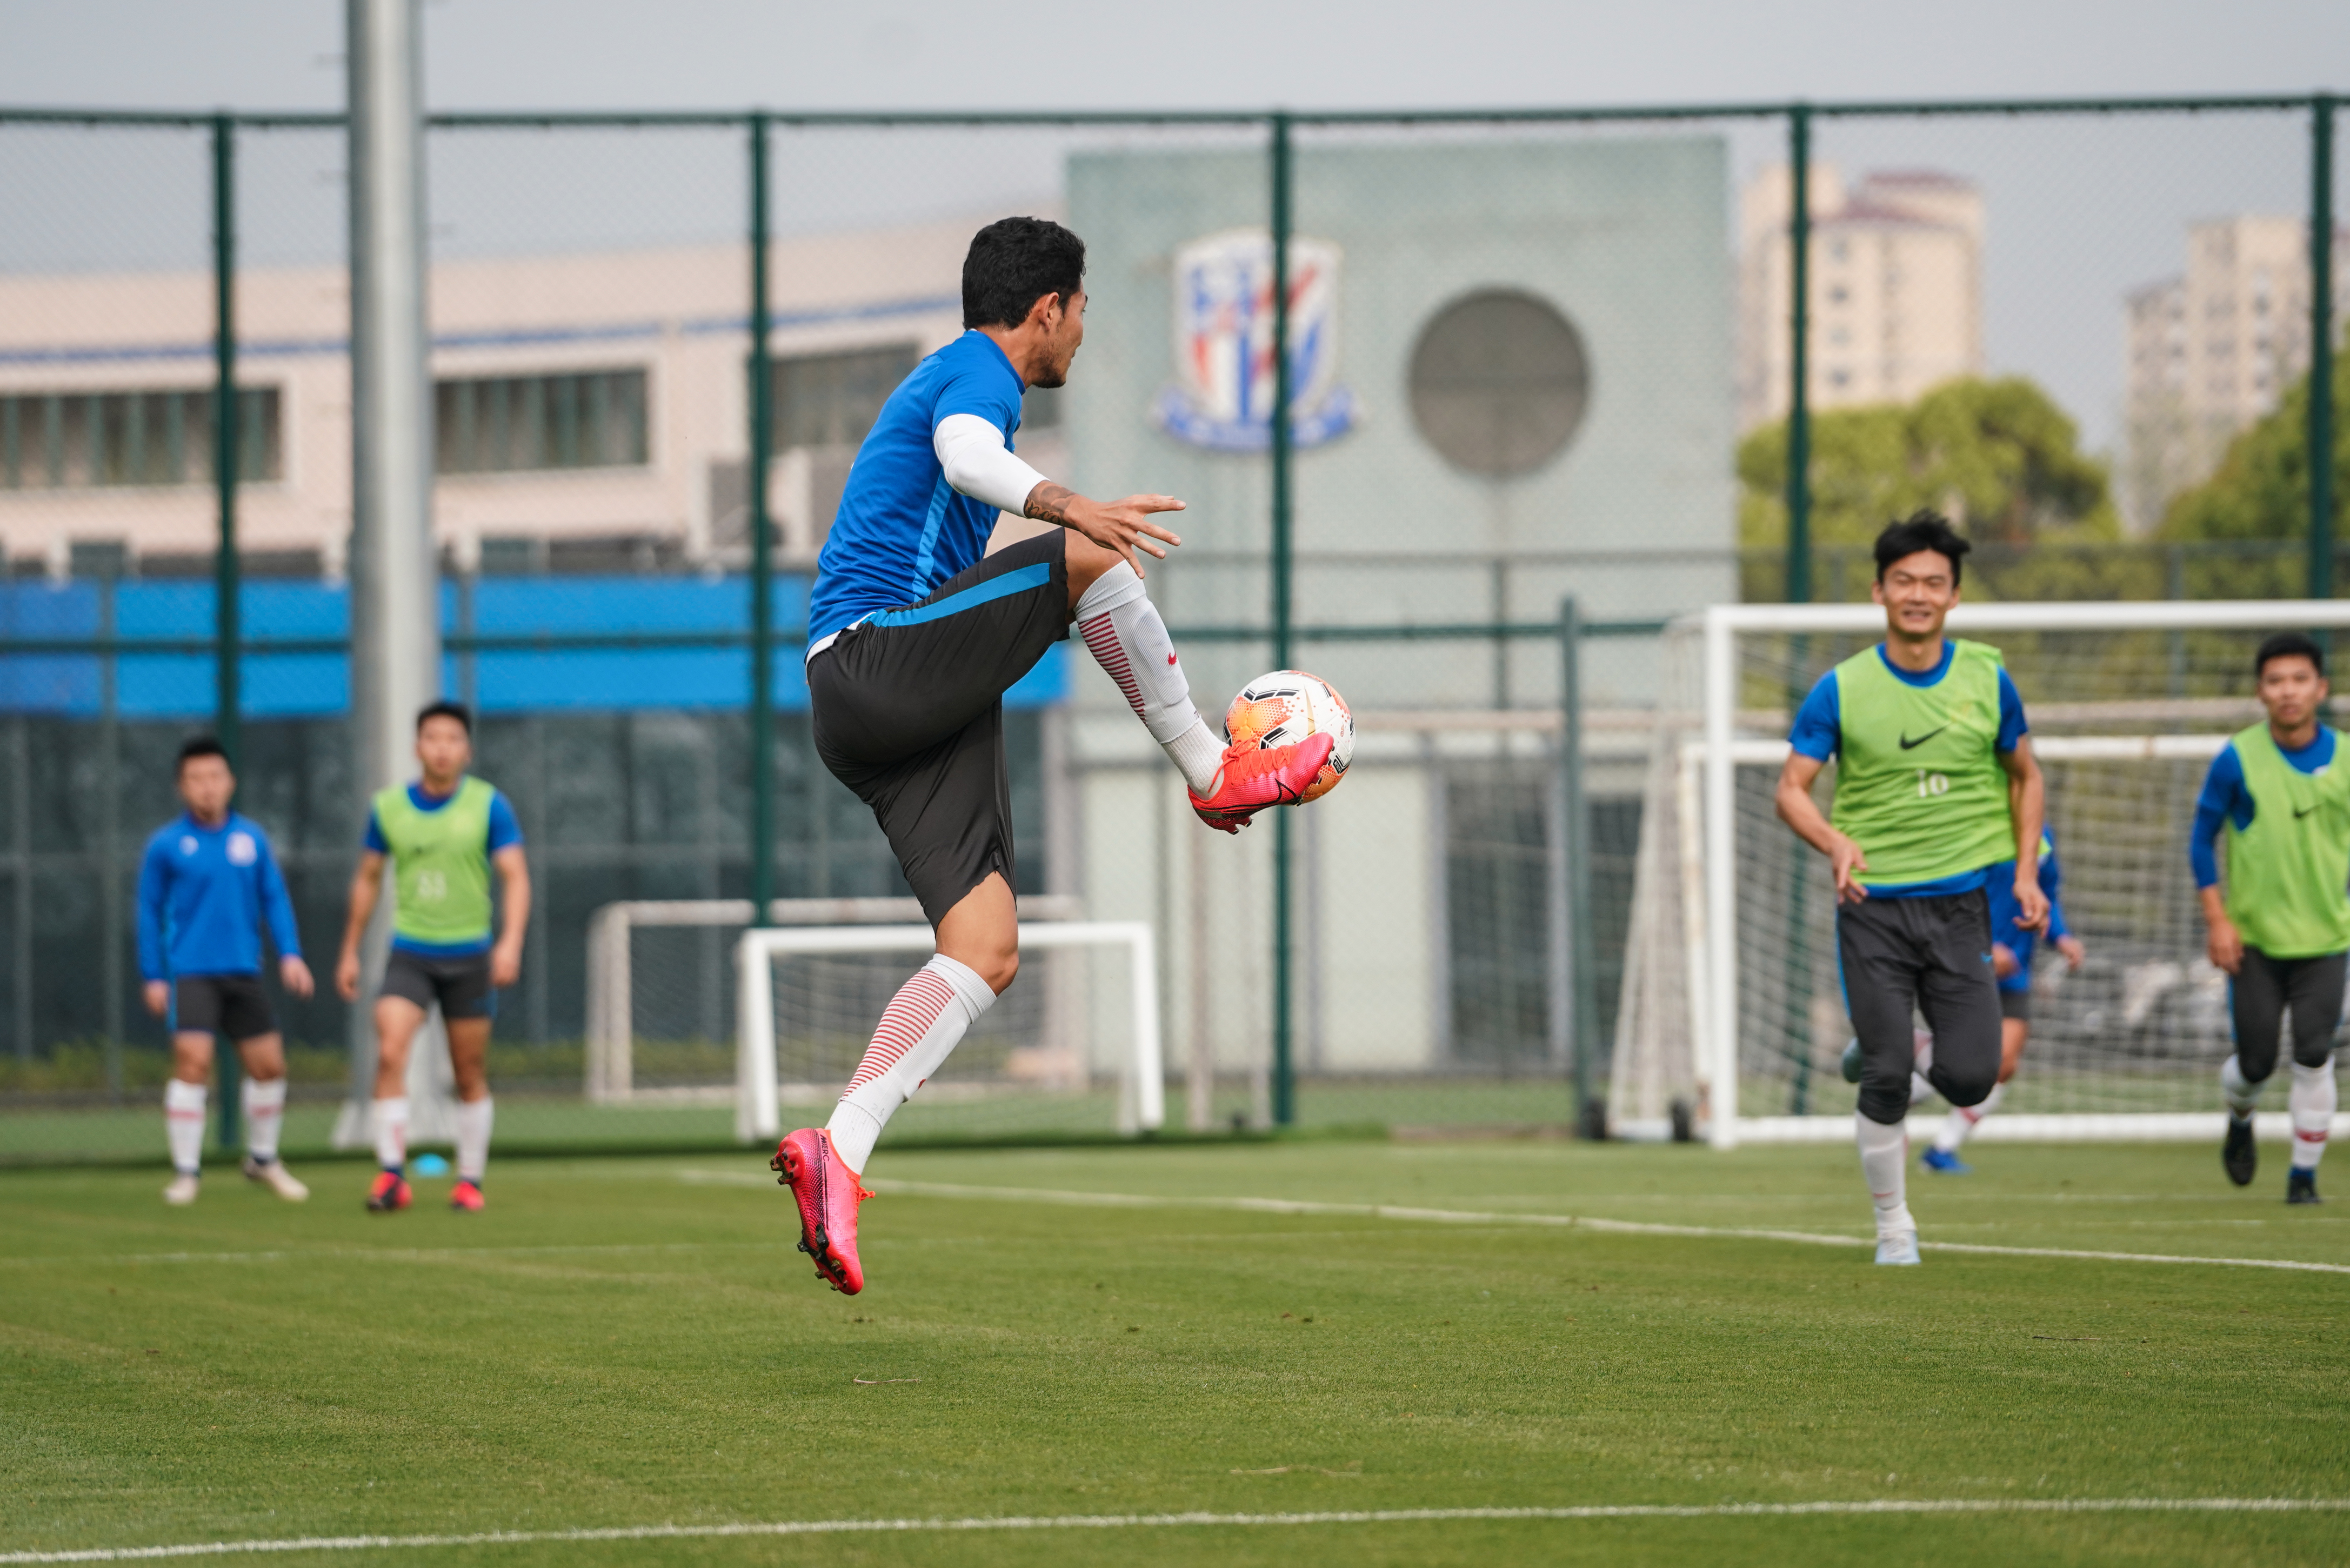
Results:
2257 499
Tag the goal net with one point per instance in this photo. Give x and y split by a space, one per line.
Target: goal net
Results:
1732 1004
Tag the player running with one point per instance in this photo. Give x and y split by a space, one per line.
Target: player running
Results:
2281 929
208 884
915 634
1935 785
443 836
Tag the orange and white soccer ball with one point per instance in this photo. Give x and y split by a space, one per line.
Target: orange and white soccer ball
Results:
1286 706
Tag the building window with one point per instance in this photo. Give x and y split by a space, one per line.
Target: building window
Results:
513 424
100 440
832 400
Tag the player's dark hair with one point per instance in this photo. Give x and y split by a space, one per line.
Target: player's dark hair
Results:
2289 644
1922 530
1013 263
444 709
198 746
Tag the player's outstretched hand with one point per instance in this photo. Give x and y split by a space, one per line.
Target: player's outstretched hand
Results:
294 976
2030 903
1846 857
2075 955
1120 526
2225 945
159 997
347 975
505 965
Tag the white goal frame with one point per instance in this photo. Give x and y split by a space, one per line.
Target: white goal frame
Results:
758 1113
1710 836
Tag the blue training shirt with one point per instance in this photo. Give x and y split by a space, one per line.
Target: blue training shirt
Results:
2226 799
1819 735
204 893
902 529
2005 913
503 831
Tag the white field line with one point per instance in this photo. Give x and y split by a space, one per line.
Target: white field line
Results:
378 1255
1196 1520
1469 1217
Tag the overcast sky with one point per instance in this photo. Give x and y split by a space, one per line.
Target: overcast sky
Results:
2080 209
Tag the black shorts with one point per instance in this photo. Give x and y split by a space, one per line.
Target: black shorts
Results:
2266 989
2016 1004
460 985
235 1005
1933 956
907 711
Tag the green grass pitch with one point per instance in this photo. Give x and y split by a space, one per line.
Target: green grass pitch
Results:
630 1342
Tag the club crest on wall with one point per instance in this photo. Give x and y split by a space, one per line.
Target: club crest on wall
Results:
1222 394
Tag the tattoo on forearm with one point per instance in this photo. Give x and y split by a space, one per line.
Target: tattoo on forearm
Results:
1049 502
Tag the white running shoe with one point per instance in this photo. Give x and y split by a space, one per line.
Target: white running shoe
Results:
1901 1247
182 1192
276 1178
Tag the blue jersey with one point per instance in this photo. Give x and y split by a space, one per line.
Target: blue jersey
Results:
2005 913
1819 735
902 529
503 831
204 893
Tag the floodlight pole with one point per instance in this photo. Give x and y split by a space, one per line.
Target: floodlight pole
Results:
2321 346
395 613
1285 1075
763 550
225 704
1799 379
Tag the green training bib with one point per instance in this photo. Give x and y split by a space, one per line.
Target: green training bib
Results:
1919 786
441 864
2289 872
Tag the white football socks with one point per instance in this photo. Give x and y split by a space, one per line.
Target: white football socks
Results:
474 1119
184 1124
2312 1102
919 1026
1129 640
391 1133
2242 1097
265 1115
1920 1090
1963 1120
1884 1160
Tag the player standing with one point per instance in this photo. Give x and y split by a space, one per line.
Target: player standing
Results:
442 834
915 634
1935 785
207 885
2281 929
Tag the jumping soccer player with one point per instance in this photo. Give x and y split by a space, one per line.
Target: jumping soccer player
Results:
442 835
1935 785
2281 929
915 634
207 886
2012 948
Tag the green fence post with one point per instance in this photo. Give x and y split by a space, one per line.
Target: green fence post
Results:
1284 1075
762 554
2321 346
1799 327
226 697
1583 947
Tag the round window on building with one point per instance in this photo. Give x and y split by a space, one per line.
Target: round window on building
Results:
1499 382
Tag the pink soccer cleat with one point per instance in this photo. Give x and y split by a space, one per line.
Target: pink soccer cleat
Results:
1252 780
467 1195
388 1194
828 1194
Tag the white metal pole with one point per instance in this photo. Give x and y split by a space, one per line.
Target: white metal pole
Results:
1722 876
758 1114
395 612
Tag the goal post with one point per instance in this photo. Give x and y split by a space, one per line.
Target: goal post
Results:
2128 702
1141 1088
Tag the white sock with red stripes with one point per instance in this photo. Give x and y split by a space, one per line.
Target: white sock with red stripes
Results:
1963 1120
1885 1161
917 1029
2312 1103
184 1124
1129 641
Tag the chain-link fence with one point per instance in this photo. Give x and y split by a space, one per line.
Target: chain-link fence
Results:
1528 357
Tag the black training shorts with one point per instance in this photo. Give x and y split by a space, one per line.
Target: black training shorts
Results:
461 985
1931 955
907 706
2265 990
2015 1004
235 1005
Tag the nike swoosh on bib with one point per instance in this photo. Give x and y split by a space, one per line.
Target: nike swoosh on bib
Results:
1908 744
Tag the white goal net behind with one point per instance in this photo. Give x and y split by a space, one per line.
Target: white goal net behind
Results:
1731 999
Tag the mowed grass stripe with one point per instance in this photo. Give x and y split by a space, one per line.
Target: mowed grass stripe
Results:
1200 1519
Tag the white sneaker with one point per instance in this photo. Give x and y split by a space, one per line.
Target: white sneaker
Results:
276 1178
182 1192
1901 1247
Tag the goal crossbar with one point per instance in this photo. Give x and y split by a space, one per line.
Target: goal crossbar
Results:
758 1114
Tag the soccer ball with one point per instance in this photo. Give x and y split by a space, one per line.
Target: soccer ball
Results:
1283 708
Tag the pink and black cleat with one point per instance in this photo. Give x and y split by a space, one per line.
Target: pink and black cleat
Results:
828 1195
1252 780
467 1195
388 1194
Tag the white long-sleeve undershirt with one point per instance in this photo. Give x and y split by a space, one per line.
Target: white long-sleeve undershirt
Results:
978 464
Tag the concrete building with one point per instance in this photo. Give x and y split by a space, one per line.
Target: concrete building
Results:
2211 350
1895 288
